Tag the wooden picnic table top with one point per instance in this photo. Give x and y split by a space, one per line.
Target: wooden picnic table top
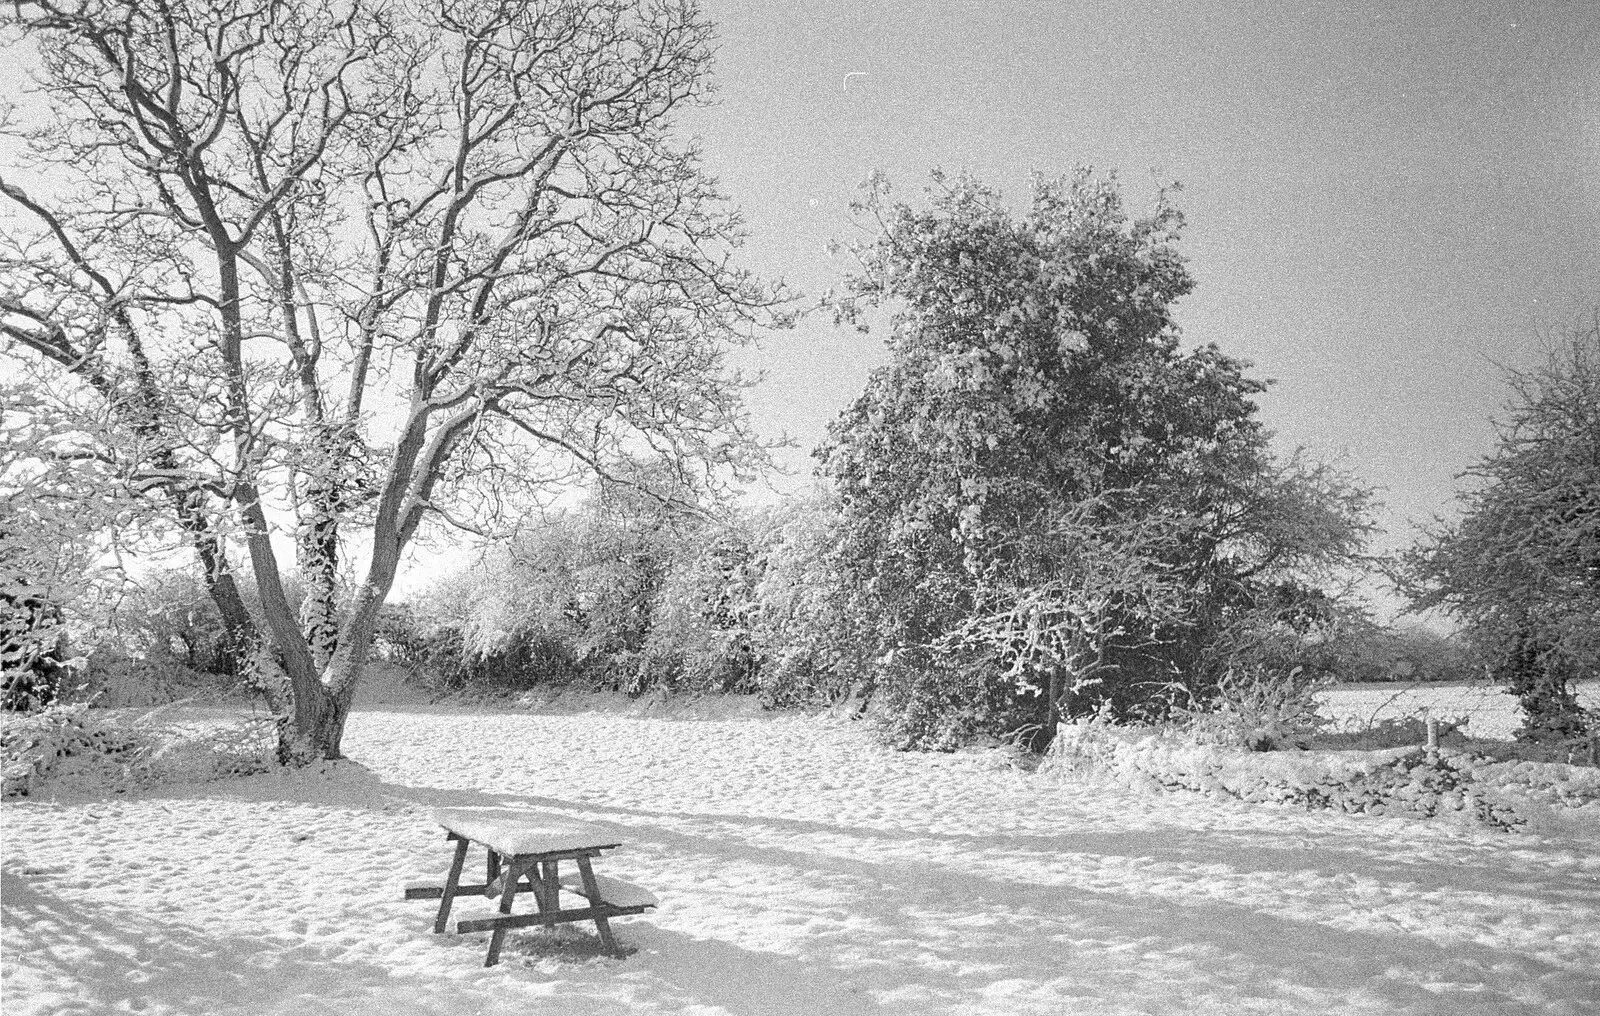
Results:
521 831
525 849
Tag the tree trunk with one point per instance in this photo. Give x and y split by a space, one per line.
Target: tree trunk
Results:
322 704
239 632
317 541
1056 694
317 729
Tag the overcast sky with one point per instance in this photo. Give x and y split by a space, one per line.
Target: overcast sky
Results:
1383 198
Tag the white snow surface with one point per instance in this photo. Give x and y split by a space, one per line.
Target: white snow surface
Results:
521 831
801 869
1489 709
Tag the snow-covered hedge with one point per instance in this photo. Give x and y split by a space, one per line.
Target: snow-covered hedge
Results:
1397 781
110 751
36 744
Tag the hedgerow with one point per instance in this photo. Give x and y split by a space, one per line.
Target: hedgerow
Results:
1413 780
98 751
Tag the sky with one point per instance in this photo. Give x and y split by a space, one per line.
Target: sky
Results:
1386 202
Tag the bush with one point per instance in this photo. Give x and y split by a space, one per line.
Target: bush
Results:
112 752
161 639
701 632
1260 709
1410 781
170 620
939 702
573 599
33 673
466 633
35 746
809 629
646 598
112 677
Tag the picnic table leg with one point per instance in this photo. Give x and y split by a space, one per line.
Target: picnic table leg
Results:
495 871
592 888
451 881
513 875
548 890
541 894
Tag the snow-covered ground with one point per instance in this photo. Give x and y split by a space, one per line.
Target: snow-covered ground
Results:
802 869
1490 711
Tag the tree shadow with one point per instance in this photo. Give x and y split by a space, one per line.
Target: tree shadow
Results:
917 904
939 913
90 960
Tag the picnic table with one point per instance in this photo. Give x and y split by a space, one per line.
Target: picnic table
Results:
525 850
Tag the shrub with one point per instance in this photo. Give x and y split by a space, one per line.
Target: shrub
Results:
169 619
161 638
401 637
1409 781
114 678
240 749
941 701
99 751
809 630
631 597
470 630
1260 709
631 594
33 673
573 598
35 746
701 629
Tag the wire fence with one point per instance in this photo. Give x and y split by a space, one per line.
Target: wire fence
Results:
1488 710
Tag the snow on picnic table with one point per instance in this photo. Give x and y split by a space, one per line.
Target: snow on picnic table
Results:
802 869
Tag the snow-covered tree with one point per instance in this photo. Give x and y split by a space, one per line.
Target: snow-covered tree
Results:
365 265
1521 567
1043 491
59 509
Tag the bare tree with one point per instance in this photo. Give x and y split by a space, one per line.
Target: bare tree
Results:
367 265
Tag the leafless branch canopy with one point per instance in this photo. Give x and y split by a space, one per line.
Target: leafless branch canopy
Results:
356 261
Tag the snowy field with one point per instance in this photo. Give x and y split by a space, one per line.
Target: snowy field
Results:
1490 711
801 869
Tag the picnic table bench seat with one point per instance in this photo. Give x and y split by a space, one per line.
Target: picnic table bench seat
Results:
524 850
